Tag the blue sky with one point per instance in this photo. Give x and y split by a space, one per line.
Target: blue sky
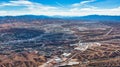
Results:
59 7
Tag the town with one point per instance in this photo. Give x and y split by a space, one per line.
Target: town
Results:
61 42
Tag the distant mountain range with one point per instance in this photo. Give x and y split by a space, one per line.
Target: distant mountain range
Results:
26 17
90 17
98 18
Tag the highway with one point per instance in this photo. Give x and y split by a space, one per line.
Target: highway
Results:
71 57
109 32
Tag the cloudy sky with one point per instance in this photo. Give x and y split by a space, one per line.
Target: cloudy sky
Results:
59 7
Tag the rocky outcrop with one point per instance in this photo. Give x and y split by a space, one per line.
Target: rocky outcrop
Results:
114 62
19 64
103 56
24 59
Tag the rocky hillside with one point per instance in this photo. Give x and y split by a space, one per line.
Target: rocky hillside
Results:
23 59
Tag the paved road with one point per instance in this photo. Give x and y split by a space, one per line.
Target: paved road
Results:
109 32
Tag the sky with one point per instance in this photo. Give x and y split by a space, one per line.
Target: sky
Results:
59 7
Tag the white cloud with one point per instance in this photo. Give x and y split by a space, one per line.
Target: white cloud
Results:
16 3
82 3
3 13
31 8
23 2
90 11
87 1
59 4
40 9
80 12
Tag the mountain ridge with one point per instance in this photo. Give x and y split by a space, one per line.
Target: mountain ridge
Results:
89 17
